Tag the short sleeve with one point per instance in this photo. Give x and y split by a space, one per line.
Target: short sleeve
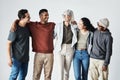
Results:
12 36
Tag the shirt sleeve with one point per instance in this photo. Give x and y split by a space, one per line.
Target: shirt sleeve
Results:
108 50
55 30
12 36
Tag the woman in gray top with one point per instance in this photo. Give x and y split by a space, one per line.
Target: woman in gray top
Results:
81 56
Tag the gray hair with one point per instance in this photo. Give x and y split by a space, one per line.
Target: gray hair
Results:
70 13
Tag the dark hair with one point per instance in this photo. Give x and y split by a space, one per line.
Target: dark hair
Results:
87 23
42 11
21 13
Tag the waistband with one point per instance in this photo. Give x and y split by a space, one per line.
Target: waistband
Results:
82 49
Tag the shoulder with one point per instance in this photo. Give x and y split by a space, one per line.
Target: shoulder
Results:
12 35
109 37
13 32
31 23
52 23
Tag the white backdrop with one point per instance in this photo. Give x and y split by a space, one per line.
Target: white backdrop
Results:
93 9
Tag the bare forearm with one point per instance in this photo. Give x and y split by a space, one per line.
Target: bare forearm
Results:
9 53
8 50
14 24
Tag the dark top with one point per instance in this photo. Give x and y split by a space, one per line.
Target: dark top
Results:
67 34
20 43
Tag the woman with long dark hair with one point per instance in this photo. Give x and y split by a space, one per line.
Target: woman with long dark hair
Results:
81 56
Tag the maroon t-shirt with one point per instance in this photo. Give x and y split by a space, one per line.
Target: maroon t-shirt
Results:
42 36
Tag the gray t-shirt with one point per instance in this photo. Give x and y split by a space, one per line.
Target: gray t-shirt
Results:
82 40
20 43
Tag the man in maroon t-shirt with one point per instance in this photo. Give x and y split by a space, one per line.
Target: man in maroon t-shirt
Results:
42 43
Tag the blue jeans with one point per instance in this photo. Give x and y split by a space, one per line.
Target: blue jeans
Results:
81 64
18 69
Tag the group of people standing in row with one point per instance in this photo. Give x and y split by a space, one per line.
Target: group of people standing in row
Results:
90 48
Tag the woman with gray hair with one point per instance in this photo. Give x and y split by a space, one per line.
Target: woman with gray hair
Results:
65 39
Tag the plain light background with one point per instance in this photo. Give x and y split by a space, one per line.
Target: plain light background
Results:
93 9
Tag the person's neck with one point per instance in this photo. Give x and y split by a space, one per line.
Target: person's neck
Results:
102 30
43 22
67 23
22 24
84 31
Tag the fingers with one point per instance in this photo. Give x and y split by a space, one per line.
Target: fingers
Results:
104 68
10 63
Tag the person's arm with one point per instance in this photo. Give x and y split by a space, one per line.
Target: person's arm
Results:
55 31
9 43
14 25
108 52
11 39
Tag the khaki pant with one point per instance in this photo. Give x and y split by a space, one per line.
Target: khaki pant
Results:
95 70
64 59
43 60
